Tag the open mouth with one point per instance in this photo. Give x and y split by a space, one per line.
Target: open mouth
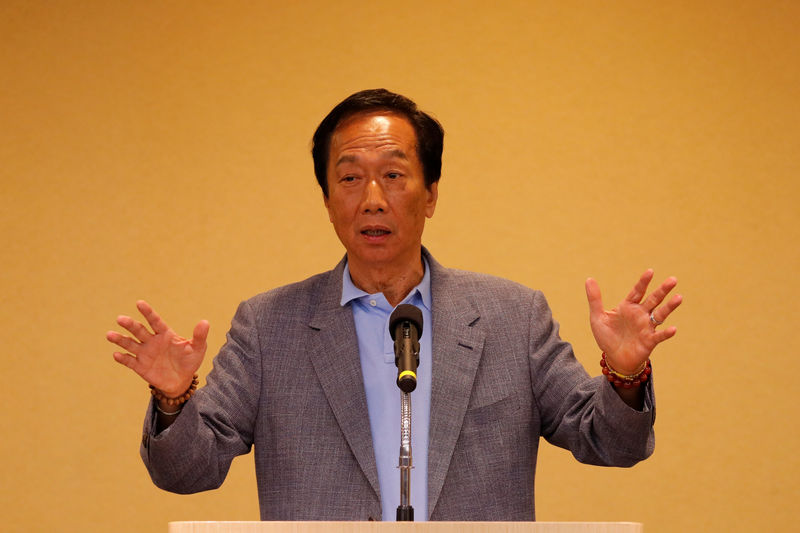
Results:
375 232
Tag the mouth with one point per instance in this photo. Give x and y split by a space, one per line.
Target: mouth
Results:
375 232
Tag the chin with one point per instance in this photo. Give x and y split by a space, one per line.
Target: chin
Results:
374 256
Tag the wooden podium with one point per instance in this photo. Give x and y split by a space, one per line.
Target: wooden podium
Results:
405 527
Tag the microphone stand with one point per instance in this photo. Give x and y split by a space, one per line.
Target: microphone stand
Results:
405 512
405 326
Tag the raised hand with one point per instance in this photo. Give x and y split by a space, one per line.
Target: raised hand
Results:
162 357
627 333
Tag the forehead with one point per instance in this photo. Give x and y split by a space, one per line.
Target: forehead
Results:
373 131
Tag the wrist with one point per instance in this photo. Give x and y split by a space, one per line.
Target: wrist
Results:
174 392
167 410
166 401
625 380
621 363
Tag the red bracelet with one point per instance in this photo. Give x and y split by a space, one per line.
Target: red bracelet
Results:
178 400
626 381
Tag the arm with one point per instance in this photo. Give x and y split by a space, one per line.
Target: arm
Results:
582 414
585 415
216 424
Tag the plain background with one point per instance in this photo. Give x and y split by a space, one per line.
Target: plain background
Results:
159 150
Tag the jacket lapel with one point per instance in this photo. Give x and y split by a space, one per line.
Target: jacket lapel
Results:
457 349
336 361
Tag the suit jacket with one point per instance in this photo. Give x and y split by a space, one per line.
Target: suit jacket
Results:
288 382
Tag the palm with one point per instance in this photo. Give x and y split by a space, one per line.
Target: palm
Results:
162 357
166 359
625 333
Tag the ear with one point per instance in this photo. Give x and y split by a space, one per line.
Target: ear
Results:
327 203
433 195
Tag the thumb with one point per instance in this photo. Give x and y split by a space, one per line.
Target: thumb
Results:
594 298
200 335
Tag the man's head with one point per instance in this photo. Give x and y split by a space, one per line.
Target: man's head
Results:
429 133
377 198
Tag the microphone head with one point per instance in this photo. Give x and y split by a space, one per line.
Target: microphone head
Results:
405 312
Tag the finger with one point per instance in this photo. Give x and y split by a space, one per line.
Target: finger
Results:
594 298
665 310
638 291
660 293
664 334
200 335
158 325
137 329
126 343
126 359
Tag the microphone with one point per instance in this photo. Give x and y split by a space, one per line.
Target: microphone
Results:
405 327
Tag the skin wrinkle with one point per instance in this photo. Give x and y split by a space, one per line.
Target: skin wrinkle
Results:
377 183
349 158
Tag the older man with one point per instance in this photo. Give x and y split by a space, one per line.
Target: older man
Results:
307 372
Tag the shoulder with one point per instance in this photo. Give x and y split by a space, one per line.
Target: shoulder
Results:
484 284
295 300
299 290
485 289
454 281
485 293
500 307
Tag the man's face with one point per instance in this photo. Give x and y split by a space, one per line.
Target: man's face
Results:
377 199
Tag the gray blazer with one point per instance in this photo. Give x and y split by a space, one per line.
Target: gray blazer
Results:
288 381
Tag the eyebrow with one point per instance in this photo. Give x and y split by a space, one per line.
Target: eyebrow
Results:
349 158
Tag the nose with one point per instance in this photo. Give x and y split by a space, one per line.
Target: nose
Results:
374 199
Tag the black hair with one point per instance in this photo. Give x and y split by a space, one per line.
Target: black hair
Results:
430 135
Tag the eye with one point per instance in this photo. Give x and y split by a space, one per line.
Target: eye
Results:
348 179
393 175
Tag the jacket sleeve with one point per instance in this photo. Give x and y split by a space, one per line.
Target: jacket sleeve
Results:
582 414
216 424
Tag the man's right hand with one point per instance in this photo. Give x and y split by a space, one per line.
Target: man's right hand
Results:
163 358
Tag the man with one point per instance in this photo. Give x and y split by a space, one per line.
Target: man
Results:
306 374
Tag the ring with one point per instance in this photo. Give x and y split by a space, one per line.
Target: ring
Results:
654 321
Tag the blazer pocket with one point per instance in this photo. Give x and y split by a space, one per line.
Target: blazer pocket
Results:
494 415
496 428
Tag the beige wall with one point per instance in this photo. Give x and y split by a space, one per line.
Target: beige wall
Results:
158 150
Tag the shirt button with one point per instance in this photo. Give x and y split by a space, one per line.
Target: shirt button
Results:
373 303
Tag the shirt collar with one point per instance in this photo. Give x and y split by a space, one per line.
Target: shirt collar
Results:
351 292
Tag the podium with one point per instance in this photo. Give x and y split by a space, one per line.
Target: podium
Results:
405 527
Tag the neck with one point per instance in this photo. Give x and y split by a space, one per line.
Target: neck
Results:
394 281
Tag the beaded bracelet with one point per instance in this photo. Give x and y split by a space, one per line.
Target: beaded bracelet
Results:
623 380
178 400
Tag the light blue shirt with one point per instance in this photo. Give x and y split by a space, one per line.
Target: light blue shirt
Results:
376 350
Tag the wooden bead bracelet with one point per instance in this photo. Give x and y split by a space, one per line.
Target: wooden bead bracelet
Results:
623 380
178 400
